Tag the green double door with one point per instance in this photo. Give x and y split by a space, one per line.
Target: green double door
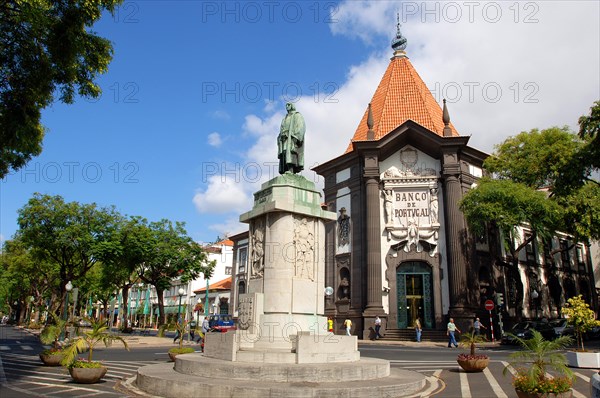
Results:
413 284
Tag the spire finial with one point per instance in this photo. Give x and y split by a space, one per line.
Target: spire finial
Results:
370 132
446 120
399 42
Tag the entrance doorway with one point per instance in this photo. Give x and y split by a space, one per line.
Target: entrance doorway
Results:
413 281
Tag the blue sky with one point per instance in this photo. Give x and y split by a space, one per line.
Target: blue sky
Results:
191 105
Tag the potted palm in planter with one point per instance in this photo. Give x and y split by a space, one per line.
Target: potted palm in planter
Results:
50 334
89 371
472 362
532 363
582 318
173 352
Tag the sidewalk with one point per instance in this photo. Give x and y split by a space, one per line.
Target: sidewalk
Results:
167 340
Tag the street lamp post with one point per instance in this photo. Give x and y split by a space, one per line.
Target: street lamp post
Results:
198 313
181 293
206 304
68 288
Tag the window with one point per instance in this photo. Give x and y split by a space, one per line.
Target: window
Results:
242 260
564 253
227 270
580 259
530 250
548 259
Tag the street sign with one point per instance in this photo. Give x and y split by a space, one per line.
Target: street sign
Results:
489 305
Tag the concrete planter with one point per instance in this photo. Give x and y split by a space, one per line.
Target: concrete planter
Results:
578 359
595 386
473 365
87 375
521 394
51 359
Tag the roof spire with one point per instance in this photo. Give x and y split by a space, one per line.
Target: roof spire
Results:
446 120
399 42
370 132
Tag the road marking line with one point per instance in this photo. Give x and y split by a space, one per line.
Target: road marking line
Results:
584 377
465 391
510 368
494 384
577 394
4 348
27 348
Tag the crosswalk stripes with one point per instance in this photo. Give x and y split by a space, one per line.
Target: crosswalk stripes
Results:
453 382
43 381
494 384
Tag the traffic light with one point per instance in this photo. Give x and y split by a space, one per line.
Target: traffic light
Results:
499 299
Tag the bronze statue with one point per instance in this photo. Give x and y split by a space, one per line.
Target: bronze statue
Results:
290 143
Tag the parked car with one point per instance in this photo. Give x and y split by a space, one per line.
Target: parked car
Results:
561 327
524 330
221 323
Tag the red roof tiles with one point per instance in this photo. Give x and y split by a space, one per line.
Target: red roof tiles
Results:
400 96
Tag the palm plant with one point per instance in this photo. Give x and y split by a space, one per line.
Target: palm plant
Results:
537 357
52 332
470 340
99 333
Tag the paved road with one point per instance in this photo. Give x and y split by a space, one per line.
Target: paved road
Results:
23 375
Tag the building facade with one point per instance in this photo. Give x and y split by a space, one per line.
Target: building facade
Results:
400 248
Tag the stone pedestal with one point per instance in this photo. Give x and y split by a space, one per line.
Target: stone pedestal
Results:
286 261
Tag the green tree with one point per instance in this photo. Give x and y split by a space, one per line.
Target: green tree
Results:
46 48
122 254
171 254
580 316
525 187
69 234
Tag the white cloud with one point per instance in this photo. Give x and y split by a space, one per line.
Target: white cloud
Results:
541 57
223 115
224 194
547 72
230 226
214 139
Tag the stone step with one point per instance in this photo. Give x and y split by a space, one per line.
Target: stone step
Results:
164 381
410 335
362 370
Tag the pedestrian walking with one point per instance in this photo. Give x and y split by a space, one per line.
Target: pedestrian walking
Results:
450 330
377 327
177 333
418 329
477 325
192 330
348 325
330 324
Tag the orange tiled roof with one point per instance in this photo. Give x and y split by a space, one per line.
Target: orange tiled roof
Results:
224 284
225 242
400 96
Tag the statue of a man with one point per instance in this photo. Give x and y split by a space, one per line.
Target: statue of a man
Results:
290 143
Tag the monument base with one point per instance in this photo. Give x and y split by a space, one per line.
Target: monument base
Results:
197 376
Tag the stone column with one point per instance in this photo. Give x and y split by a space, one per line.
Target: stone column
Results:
455 227
373 226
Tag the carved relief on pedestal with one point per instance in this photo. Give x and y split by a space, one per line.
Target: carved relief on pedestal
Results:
410 205
304 244
257 250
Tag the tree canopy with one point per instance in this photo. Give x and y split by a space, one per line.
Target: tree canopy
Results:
46 48
543 179
98 249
